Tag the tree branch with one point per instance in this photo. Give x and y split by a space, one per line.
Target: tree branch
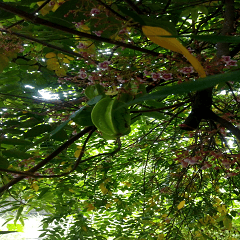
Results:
234 130
47 159
37 20
43 43
227 29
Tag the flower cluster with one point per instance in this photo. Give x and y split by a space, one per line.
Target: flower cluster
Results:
228 61
82 74
155 76
94 11
104 65
10 44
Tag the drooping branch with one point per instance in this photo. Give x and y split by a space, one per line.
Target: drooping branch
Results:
46 160
36 20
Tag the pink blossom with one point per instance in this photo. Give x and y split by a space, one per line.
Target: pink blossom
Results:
95 11
74 132
226 58
191 161
78 24
122 31
81 45
226 163
222 131
104 65
187 70
146 72
90 78
119 78
206 166
190 50
52 3
231 63
166 76
155 76
184 164
98 33
231 174
82 74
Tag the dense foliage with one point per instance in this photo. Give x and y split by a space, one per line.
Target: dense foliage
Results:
176 174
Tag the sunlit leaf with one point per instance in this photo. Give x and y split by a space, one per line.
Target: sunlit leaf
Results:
155 33
181 205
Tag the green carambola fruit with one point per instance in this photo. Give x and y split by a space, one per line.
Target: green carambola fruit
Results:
94 90
98 117
112 118
118 117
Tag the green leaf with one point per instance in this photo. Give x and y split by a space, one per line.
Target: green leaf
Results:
43 192
16 154
19 212
84 118
14 141
61 135
60 127
95 100
156 115
132 14
21 61
3 162
185 12
37 130
199 84
30 123
194 14
202 9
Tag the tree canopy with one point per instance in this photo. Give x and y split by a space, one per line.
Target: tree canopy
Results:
120 119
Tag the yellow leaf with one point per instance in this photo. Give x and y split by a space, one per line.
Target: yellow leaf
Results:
46 9
52 61
108 205
85 28
181 204
60 72
227 222
70 58
84 228
60 55
50 55
154 33
55 7
35 186
103 189
160 236
65 60
128 184
77 153
68 169
71 190
29 197
90 207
